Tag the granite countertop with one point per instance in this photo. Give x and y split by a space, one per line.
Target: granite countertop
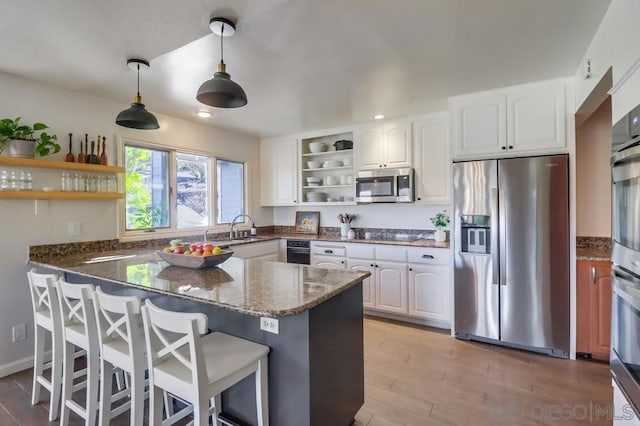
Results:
597 254
253 287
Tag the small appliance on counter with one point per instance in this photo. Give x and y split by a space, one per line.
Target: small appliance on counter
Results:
385 186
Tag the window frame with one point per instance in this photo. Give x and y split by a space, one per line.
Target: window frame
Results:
173 230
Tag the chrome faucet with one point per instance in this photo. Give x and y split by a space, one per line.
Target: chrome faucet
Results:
233 223
204 236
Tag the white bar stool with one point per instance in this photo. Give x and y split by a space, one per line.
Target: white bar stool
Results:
198 368
121 344
46 317
79 329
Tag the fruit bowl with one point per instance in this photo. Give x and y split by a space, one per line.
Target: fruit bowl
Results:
195 262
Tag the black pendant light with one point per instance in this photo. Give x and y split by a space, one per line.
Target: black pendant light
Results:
137 116
221 91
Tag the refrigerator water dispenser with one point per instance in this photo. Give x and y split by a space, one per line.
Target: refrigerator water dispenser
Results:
476 234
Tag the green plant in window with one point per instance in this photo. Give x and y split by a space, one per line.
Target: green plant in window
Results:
141 214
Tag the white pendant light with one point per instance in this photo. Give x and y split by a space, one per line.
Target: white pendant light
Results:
221 91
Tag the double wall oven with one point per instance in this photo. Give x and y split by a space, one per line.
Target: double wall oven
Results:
625 330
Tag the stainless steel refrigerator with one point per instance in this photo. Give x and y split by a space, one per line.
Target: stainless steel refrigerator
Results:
511 219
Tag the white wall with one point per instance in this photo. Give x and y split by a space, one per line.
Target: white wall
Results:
399 215
593 174
65 112
614 45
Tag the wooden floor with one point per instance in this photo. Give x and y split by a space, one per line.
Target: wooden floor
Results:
420 376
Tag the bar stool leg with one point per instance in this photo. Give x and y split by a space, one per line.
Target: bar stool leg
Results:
216 403
262 392
38 364
56 376
93 365
155 406
67 382
201 411
137 397
106 377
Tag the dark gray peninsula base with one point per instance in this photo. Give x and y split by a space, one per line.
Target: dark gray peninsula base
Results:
316 371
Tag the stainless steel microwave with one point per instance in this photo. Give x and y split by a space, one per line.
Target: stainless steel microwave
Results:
385 186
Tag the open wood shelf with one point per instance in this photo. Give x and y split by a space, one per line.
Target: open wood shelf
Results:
62 165
61 195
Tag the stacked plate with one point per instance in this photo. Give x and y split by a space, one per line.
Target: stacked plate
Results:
316 197
313 181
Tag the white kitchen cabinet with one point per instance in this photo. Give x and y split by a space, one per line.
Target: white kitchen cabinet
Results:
279 172
429 292
625 94
266 250
368 287
391 286
479 124
433 161
383 146
526 119
328 255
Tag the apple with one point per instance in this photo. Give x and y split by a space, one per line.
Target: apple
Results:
193 247
217 250
208 247
178 250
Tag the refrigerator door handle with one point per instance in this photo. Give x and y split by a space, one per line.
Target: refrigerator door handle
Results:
495 260
502 212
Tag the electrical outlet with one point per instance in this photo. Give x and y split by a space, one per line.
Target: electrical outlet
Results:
269 324
19 332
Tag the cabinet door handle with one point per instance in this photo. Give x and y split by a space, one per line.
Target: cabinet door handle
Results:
376 266
427 256
329 251
342 262
419 198
504 147
372 265
379 165
385 165
510 146
593 275
410 269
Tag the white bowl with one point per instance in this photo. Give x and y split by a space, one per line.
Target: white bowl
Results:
316 147
315 164
347 162
312 180
331 180
333 163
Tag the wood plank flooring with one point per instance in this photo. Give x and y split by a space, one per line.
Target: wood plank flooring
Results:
421 376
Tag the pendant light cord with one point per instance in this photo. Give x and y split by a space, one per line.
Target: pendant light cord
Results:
222 44
138 65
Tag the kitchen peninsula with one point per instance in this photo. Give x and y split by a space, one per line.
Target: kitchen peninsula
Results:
316 371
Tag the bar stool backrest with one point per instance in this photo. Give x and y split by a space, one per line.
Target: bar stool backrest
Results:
118 325
173 339
44 298
76 306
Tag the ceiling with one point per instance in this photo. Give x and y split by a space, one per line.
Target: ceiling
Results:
304 64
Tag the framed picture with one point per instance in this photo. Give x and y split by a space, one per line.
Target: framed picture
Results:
307 222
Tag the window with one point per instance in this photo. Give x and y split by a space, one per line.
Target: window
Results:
147 194
230 190
171 191
192 194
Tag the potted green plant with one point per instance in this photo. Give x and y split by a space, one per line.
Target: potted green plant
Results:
440 220
21 140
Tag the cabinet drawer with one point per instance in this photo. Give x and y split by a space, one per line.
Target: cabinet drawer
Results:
429 255
360 251
329 250
393 253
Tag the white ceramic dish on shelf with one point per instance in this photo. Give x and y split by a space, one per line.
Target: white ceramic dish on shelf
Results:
311 180
314 164
316 147
332 163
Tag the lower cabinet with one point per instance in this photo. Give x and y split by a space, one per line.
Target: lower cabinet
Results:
391 287
267 250
593 334
429 292
328 262
368 285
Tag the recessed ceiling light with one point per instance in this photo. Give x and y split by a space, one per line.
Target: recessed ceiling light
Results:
378 117
203 114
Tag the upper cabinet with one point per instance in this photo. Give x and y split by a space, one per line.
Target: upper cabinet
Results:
432 158
529 119
279 172
383 146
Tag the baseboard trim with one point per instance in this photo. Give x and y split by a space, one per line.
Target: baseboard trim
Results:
430 323
16 366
